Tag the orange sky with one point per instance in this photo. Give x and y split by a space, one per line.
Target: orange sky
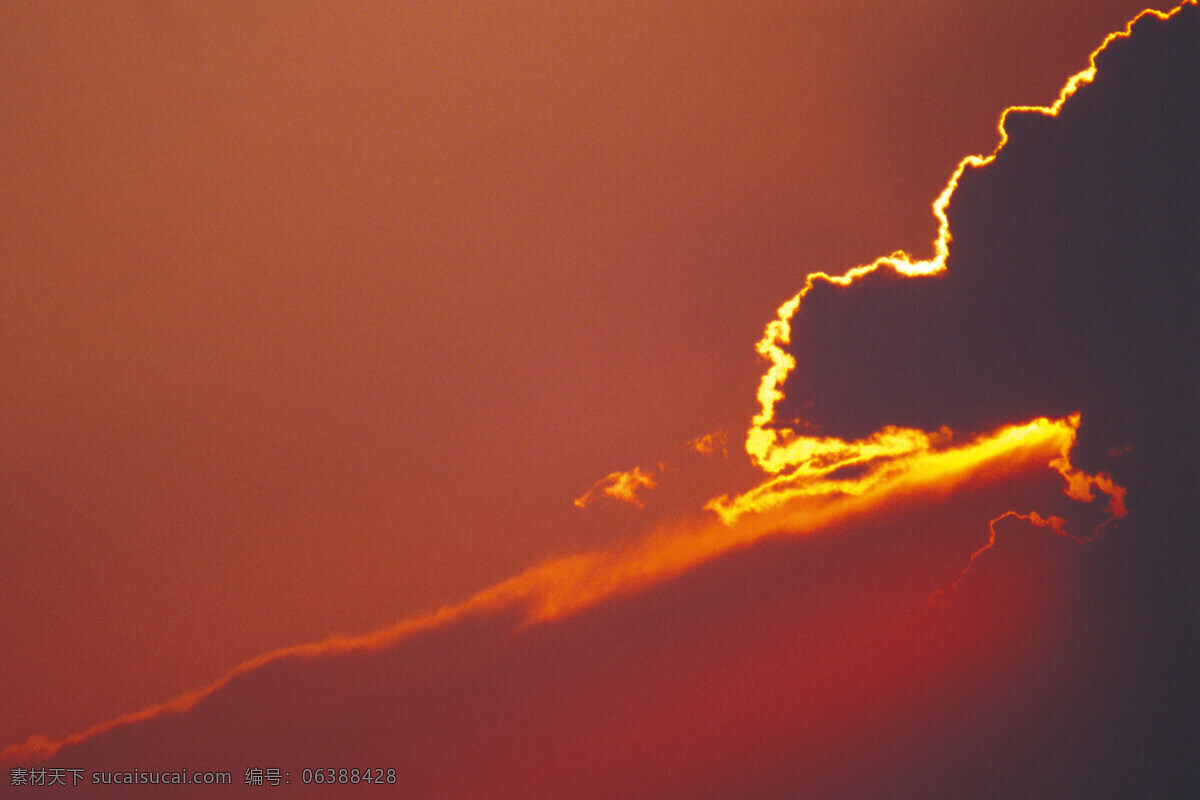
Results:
315 319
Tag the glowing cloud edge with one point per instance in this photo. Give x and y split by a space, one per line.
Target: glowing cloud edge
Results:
803 464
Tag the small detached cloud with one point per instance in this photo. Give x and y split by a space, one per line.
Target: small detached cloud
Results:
621 486
710 443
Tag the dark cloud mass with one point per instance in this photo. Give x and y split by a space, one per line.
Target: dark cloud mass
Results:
812 667
1071 283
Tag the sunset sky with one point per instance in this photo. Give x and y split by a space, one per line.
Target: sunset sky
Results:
435 364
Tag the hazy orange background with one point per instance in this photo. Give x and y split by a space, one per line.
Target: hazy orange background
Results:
314 317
